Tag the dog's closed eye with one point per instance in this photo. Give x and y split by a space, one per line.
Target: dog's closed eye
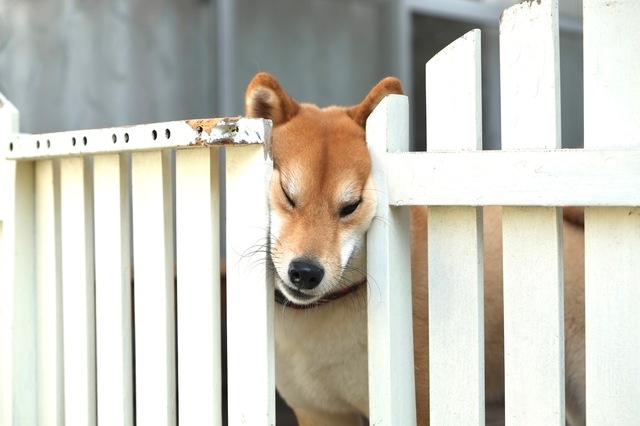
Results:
348 209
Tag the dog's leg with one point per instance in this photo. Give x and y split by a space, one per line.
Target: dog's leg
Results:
318 418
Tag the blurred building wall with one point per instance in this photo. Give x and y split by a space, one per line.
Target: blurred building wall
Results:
68 64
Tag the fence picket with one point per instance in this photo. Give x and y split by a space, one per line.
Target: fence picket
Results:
198 291
49 292
154 292
78 291
114 339
456 366
532 245
388 266
250 366
612 237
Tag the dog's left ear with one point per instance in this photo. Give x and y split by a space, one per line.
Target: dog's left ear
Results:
265 98
387 86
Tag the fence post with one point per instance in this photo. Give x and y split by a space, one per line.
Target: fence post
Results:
612 235
18 375
250 290
391 373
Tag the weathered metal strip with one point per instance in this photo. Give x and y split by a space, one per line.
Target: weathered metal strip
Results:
166 135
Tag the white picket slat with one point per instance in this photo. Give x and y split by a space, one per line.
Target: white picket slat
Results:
390 333
454 121
114 318
612 235
154 295
18 345
532 236
250 290
49 293
198 291
18 316
78 291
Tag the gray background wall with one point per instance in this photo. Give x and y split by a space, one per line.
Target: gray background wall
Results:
68 64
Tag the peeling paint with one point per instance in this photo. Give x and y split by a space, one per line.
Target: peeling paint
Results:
209 132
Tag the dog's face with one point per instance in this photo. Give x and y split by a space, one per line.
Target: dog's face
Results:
321 196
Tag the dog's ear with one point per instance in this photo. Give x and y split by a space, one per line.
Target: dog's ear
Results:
265 98
387 86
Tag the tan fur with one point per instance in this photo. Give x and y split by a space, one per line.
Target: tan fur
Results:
321 165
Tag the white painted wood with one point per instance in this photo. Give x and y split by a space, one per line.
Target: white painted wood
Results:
154 293
456 365
76 208
18 316
18 396
532 237
590 177
142 137
250 291
612 236
198 291
114 325
49 293
391 373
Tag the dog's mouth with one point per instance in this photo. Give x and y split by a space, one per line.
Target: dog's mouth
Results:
294 295
296 299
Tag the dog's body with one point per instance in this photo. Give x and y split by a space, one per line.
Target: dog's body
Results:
322 201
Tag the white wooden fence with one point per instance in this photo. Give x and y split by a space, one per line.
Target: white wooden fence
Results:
76 207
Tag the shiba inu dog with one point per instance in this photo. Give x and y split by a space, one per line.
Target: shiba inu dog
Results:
322 202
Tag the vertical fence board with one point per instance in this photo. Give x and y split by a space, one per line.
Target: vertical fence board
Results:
76 207
114 340
18 381
154 292
456 366
533 277
388 266
612 235
49 293
198 290
249 290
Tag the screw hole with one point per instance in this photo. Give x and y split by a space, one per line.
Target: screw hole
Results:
114 138
167 133
126 137
38 144
154 135
10 146
73 141
84 140
48 143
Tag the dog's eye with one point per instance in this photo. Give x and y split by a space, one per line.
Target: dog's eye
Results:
288 197
349 208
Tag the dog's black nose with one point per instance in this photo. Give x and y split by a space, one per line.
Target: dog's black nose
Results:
305 273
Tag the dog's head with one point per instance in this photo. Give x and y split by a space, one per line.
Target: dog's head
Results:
321 197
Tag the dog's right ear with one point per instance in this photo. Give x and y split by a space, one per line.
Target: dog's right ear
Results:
265 98
386 86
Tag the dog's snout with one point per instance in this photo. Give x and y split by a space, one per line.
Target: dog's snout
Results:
305 273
